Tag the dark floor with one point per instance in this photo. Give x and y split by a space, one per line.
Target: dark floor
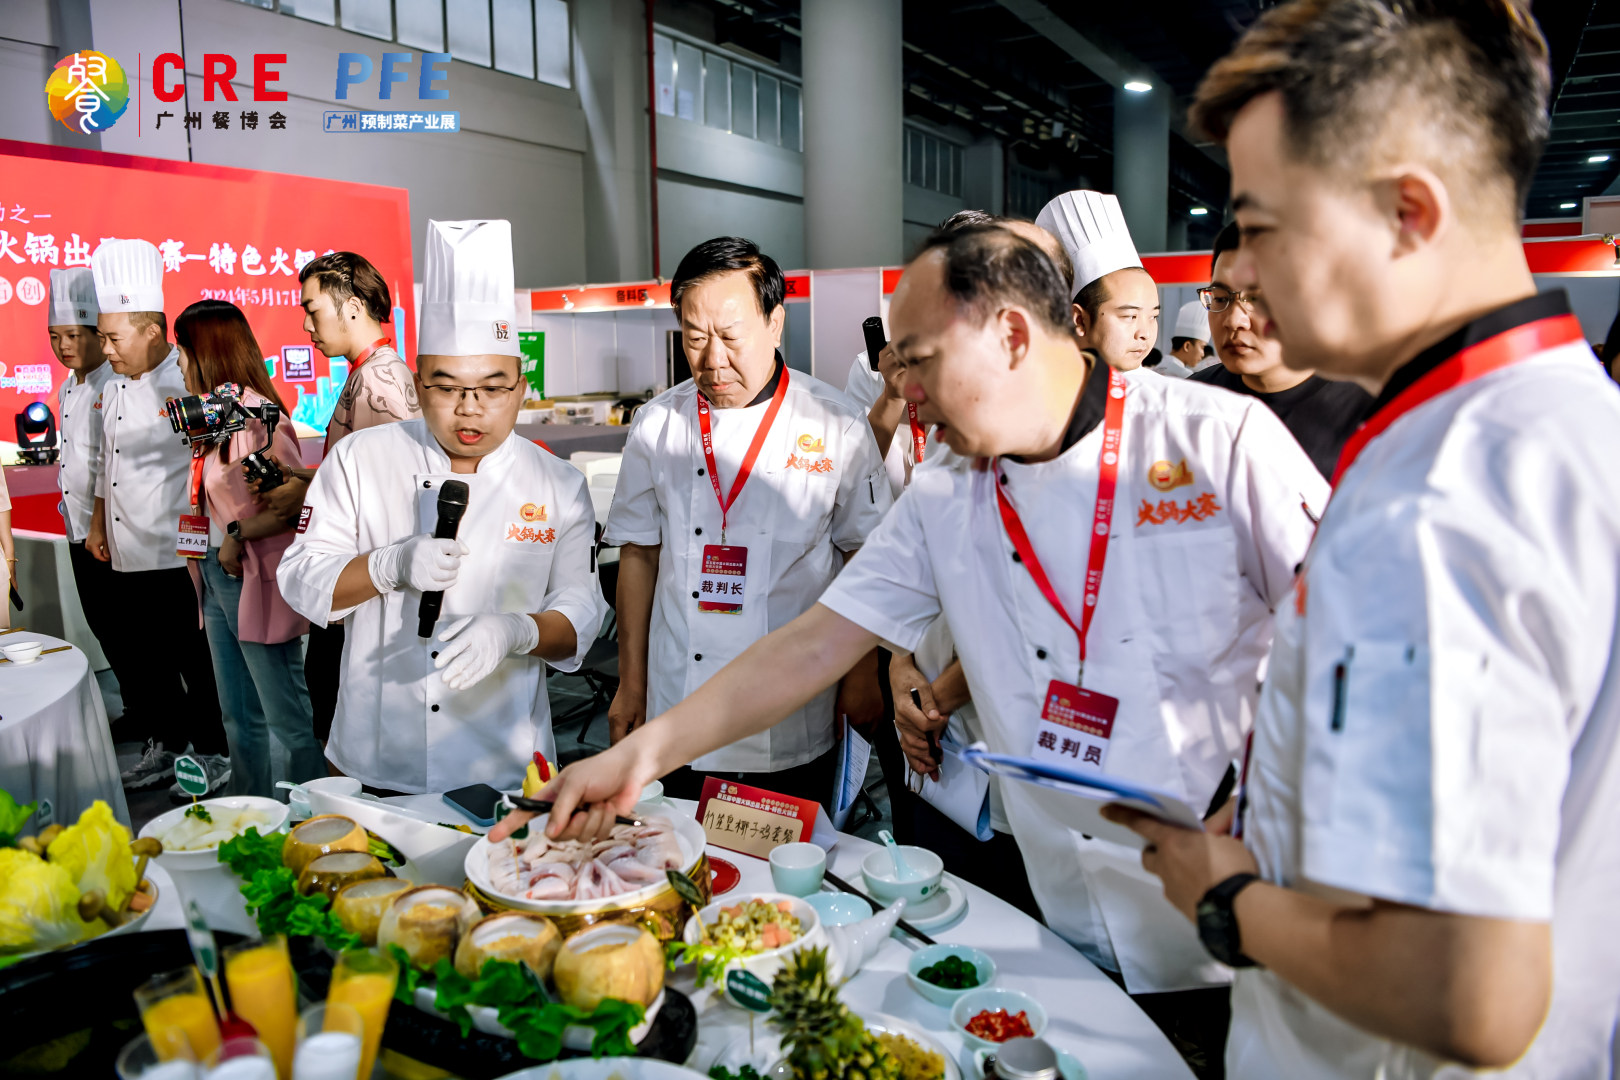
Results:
576 738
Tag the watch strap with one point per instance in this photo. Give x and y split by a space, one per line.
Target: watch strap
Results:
1217 923
234 530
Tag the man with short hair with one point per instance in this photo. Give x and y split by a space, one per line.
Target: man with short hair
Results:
1116 303
142 490
983 324
346 302
1189 345
1321 413
78 406
466 703
741 495
1428 859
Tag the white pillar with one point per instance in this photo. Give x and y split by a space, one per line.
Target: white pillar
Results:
852 137
1142 163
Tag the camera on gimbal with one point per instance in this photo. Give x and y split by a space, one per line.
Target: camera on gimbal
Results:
213 417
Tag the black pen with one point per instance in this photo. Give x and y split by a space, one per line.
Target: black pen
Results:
934 751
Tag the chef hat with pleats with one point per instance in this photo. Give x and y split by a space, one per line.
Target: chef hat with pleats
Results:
73 297
468 298
1091 228
129 276
1192 321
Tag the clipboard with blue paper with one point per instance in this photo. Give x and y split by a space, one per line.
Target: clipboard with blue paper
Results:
1094 791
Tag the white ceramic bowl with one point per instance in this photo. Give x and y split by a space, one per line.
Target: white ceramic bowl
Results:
22 652
929 955
974 1002
764 964
653 792
209 857
878 870
688 832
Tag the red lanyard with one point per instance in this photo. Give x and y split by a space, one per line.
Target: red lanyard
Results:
727 501
1492 354
197 479
365 354
919 435
1102 517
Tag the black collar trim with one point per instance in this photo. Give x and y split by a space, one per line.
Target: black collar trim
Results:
1088 411
1530 309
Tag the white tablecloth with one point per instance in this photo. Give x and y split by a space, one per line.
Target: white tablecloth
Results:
54 742
1087 1014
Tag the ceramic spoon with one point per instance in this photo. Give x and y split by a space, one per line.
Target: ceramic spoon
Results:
902 869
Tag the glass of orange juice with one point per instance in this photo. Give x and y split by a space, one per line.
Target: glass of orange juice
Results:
264 992
364 979
178 1015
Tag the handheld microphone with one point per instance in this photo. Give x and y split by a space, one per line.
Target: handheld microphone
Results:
452 504
873 330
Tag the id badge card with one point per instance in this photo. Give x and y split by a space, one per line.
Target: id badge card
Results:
1076 727
723 579
192 541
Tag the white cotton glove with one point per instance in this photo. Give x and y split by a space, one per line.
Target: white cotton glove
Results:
424 563
481 642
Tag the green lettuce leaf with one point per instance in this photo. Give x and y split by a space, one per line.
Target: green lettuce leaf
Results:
12 817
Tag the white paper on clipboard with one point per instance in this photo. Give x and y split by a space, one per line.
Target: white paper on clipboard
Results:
1094 791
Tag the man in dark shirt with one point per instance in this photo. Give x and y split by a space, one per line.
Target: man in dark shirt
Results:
1321 413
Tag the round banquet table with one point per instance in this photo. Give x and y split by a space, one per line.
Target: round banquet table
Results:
55 745
1087 1014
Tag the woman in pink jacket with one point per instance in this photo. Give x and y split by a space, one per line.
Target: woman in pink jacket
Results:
252 633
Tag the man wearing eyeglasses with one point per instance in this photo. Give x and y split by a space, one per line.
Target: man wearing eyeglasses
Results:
467 704
1321 413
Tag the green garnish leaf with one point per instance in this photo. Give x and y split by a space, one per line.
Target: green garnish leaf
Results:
12 817
384 851
200 812
270 891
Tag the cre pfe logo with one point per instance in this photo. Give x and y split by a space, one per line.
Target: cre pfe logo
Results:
88 91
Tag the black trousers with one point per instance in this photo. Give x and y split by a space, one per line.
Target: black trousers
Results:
812 780
160 655
92 579
323 665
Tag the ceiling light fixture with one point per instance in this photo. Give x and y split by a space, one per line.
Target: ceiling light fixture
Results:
1137 86
1566 206
1597 159
1199 211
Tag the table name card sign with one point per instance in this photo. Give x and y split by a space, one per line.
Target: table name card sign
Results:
755 822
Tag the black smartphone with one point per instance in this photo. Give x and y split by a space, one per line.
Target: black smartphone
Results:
872 330
477 801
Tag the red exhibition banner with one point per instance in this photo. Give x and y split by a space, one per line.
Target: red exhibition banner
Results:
231 234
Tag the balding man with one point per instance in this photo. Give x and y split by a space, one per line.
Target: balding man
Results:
1210 514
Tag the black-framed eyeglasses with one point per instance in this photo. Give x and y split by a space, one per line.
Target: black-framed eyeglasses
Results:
1217 300
454 395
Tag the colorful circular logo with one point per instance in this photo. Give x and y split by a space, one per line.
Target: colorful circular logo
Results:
87 91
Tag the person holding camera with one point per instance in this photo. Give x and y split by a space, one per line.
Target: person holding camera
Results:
459 554
140 484
253 635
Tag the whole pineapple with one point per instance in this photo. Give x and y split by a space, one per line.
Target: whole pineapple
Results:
825 1040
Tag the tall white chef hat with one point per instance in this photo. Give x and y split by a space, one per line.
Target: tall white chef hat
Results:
468 303
129 276
1091 228
1192 321
73 297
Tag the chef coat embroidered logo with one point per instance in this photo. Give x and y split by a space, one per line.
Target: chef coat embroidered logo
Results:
1168 511
794 461
532 512
811 445
123 299
304 514
502 330
526 534
1166 477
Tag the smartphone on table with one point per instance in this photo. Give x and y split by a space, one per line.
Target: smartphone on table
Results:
477 801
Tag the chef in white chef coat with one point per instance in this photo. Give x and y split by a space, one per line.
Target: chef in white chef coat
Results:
1189 343
812 489
520 589
1116 303
1424 886
142 479
78 410
1211 513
